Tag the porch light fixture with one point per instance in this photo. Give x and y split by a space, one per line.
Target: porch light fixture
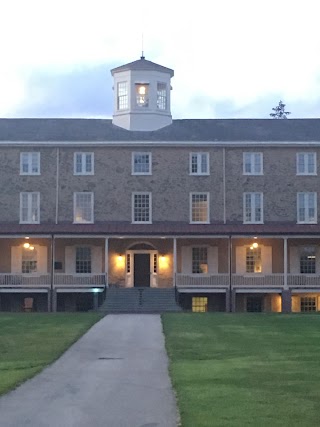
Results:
255 245
26 245
27 238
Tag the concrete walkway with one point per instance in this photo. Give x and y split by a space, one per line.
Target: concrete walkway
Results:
116 375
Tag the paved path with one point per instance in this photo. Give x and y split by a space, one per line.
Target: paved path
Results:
115 376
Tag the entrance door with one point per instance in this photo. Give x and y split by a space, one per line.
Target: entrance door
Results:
142 270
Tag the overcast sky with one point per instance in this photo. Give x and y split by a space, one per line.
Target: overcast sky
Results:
232 58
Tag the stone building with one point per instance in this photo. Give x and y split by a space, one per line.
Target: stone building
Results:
222 211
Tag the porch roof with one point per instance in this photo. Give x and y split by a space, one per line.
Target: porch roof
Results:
161 229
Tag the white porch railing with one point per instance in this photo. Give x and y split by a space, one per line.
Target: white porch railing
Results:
197 280
19 280
61 279
258 280
304 280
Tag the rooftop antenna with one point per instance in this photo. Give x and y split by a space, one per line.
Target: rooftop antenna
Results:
142 54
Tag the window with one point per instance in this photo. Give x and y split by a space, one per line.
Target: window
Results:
199 260
128 263
199 204
253 260
199 164
252 164
141 208
308 304
307 208
199 304
83 163
306 164
155 263
30 208
252 208
29 260
83 260
30 163
83 208
142 94
161 96
308 260
254 304
122 98
141 163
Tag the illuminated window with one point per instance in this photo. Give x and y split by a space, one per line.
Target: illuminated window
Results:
141 208
161 96
83 208
29 261
306 164
199 206
122 96
252 164
199 163
199 304
141 163
142 94
199 260
30 163
308 304
83 260
30 208
307 208
83 163
253 260
308 260
252 208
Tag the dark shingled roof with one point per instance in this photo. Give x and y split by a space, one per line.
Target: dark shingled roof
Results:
142 65
193 130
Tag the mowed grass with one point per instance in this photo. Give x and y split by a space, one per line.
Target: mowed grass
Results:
30 341
245 369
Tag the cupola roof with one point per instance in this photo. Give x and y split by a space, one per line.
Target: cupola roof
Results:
142 64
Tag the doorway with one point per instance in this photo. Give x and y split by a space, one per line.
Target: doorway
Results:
142 270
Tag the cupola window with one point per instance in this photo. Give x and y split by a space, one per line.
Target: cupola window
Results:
142 94
162 96
122 96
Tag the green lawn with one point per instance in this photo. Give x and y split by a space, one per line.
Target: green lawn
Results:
30 341
245 369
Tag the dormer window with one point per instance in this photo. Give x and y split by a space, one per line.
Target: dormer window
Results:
161 96
122 96
142 94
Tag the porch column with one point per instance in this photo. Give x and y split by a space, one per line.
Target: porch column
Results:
54 300
174 261
233 301
95 300
106 259
286 301
51 290
228 301
285 263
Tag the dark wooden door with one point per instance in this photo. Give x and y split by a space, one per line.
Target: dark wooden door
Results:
142 270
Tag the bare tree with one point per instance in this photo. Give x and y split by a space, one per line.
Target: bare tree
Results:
279 111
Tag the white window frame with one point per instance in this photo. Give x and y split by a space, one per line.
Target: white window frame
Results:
306 164
253 170
141 153
30 156
306 196
141 193
29 203
123 99
208 207
74 207
83 163
253 208
199 156
162 96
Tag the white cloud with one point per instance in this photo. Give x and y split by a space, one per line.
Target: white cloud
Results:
224 50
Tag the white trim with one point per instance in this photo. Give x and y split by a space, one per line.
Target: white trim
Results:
252 154
150 207
134 153
83 163
30 193
92 207
199 163
29 154
305 193
305 153
208 207
252 207
129 277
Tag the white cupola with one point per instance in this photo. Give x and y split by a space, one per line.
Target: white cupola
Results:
142 95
